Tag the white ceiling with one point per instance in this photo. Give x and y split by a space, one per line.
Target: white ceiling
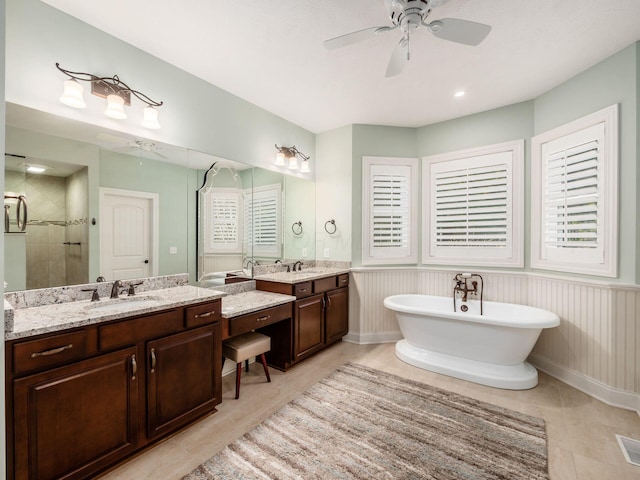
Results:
270 52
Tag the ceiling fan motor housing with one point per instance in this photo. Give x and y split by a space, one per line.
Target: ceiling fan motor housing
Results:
410 14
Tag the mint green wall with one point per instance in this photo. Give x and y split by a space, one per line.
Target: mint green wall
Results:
333 193
637 110
195 114
168 180
614 80
379 141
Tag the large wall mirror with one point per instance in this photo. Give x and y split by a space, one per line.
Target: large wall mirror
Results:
111 205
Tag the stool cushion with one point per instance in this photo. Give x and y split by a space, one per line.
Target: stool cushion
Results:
245 346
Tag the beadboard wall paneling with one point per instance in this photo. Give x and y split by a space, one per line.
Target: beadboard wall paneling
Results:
598 337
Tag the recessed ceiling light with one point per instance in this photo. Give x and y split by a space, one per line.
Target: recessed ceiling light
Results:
459 93
35 169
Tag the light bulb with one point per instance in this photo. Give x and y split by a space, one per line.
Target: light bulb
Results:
279 160
150 119
115 107
72 94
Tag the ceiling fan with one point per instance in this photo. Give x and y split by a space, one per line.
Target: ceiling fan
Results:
121 144
408 16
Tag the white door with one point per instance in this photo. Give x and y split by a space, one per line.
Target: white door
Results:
128 234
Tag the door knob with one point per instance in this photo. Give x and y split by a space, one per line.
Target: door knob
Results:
146 261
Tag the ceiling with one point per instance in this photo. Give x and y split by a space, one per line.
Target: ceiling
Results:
270 53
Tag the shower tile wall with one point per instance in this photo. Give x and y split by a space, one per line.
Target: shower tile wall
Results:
46 197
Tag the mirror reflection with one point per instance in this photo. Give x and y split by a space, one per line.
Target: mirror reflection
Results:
120 207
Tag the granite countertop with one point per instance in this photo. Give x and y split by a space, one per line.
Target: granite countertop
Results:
252 301
62 316
312 273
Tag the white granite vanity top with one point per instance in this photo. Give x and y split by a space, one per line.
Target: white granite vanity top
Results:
311 273
62 316
252 301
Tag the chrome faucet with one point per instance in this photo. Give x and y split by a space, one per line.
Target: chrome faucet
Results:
114 289
298 264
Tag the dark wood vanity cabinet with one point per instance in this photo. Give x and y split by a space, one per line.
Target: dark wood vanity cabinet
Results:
320 318
72 421
80 401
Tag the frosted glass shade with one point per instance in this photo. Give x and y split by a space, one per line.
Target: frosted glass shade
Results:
115 107
293 163
150 119
279 160
72 94
304 167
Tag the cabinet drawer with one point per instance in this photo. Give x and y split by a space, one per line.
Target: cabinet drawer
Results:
262 318
140 329
49 352
302 289
343 280
324 284
202 314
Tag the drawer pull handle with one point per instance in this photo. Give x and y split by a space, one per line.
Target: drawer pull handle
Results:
263 319
134 367
53 351
303 290
153 360
205 315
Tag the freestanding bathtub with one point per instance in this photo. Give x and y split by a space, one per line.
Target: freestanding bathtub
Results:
490 349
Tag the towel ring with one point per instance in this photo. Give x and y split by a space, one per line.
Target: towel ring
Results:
332 222
298 230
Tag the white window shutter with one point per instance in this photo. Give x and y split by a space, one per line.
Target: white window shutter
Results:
474 206
389 210
222 217
574 196
264 222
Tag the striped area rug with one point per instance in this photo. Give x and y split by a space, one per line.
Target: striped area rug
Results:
360 423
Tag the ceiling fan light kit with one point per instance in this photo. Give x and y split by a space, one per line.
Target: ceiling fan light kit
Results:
408 16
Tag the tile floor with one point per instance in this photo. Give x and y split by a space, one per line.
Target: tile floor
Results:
580 430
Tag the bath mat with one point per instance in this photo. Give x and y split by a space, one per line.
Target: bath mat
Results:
360 423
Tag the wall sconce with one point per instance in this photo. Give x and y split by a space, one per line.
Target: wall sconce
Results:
117 93
288 156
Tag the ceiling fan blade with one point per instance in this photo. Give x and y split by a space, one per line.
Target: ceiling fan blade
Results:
354 37
460 31
398 58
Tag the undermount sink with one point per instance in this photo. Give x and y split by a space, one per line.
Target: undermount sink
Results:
123 303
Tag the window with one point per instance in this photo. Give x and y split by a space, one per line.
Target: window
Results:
222 221
473 206
263 221
574 179
389 210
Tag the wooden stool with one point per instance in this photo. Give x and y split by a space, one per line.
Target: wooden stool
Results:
242 348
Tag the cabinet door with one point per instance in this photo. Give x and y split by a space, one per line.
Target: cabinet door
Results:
184 378
308 326
75 420
337 314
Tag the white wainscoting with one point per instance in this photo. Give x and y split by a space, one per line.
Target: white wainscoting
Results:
596 348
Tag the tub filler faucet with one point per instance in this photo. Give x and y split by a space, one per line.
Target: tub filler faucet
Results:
467 284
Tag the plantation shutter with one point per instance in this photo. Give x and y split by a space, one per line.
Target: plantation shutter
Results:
264 222
471 206
389 210
572 189
223 221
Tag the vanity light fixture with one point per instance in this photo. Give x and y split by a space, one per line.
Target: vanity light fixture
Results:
117 93
288 156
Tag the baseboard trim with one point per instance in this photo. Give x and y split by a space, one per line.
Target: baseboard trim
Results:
369 338
609 395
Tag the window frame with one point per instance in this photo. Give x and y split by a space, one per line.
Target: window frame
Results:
573 260
511 255
370 254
